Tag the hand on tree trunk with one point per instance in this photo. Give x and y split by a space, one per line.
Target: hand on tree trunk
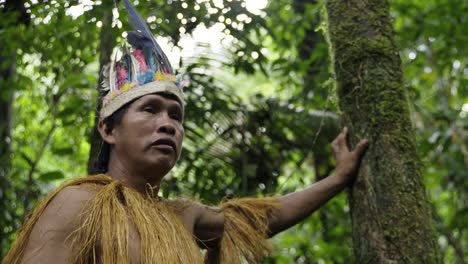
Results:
347 161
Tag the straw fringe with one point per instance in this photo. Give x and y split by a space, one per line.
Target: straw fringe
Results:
103 236
245 230
17 249
163 237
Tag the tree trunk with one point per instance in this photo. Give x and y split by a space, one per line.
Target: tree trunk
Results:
5 159
107 42
15 11
307 47
389 208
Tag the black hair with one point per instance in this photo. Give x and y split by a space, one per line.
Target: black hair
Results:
101 163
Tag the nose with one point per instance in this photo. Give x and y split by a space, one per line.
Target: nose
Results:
166 126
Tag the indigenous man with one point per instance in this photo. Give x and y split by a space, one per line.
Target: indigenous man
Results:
117 217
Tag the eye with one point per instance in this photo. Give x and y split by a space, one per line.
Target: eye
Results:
149 109
176 116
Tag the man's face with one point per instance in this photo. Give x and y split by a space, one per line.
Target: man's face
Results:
150 135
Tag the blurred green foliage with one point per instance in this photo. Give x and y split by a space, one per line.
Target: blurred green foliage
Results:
260 109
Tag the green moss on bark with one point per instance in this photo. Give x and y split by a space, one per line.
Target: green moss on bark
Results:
390 211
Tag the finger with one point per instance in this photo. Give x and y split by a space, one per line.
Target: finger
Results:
334 145
361 147
336 140
342 138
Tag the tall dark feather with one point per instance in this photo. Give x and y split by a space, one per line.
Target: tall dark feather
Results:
140 25
137 39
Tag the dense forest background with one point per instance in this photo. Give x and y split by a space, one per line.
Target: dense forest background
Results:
261 105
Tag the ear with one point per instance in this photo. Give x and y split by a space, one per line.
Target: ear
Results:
106 133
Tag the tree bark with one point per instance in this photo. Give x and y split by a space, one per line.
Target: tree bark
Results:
5 159
389 208
107 42
15 11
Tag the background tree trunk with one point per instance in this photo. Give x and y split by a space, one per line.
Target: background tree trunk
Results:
107 43
5 154
313 40
390 211
14 14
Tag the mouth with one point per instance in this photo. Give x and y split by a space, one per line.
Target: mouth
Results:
164 143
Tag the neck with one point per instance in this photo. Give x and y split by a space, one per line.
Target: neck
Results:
141 182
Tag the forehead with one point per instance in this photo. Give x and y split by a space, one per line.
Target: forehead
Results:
162 98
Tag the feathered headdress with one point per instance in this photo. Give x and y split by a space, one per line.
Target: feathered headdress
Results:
142 69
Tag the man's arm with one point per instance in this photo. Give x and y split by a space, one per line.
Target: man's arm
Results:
208 225
298 205
294 207
50 240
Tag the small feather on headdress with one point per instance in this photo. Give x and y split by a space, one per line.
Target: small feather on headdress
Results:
112 73
134 68
105 81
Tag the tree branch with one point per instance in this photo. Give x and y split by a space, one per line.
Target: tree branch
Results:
32 169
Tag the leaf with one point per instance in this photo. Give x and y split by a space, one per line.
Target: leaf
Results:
51 176
63 151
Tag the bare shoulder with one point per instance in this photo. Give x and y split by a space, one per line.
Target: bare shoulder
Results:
49 238
205 222
195 211
64 209
185 210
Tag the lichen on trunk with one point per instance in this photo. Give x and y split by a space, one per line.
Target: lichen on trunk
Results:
390 210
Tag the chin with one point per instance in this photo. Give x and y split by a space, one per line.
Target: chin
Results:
161 167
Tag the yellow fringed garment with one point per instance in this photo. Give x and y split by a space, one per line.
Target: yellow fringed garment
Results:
245 230
103 236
